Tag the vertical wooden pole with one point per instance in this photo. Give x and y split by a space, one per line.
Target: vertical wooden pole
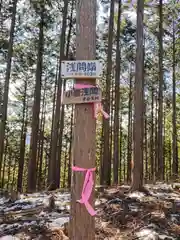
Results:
82 223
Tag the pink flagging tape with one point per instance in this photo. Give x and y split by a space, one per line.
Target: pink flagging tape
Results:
98 108
87 188
80 86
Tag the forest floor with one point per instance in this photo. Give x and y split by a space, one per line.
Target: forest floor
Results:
121 215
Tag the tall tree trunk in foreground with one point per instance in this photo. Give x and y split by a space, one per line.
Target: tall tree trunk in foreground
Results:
23 141
117 99
32 166
174 134
6 87
62 108
160 110
129 143
137 176
55 134
106 161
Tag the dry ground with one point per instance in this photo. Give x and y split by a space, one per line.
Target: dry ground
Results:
127 216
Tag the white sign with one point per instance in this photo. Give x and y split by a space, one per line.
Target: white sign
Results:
81 69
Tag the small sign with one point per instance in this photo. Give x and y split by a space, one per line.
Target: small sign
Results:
81 69
85 95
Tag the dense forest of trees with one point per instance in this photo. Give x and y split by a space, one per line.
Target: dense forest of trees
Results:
140 90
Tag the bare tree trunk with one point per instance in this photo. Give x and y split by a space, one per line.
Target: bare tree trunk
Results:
146 175
41 140
160 110
62 108
65 165
6 87
170 158
120 148
101 157
22 142
36 109
52 124
117 99
156 138
53 167
152 176
9 168
129 146
106 160
174 134
138 131
70 148
4 163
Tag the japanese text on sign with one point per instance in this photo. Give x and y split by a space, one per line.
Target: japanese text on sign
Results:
82 95
81 69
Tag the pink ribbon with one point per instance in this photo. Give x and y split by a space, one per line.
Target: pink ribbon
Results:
98 108
87 188
80 86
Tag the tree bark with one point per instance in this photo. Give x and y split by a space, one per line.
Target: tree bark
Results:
117 99
53 160
138 131
6 87
129 144
82 223
62 109
22 142
106 160
174 134
32 166
160 96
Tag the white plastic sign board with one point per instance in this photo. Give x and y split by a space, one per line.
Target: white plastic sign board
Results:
81 69
85 95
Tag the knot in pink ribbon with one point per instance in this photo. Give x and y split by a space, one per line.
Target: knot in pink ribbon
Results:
98 108
87 188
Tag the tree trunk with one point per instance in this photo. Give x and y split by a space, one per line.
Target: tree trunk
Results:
117 99
106 160
120 147
70 147
53 163
22 142
32 167
146 175
84 146
160 110
129 144
174 134
152 175
138 131
156 137
41 140
62 109
6 87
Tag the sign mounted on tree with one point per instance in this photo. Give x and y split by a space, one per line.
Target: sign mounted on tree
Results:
81 69
84 95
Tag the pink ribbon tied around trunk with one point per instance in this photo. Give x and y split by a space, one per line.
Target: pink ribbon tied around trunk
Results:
98 108
87 188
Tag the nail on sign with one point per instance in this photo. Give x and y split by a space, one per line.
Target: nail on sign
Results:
86 95
81 69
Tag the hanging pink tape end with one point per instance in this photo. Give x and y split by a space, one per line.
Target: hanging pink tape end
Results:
87 188
98 108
